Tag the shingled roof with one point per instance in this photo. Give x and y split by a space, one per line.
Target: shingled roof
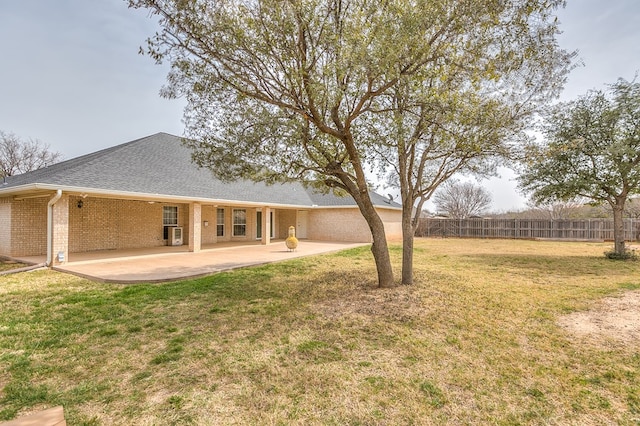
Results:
160 166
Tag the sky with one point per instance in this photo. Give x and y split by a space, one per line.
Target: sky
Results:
71 75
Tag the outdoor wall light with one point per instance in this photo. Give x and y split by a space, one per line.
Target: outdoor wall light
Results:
206 223
80 204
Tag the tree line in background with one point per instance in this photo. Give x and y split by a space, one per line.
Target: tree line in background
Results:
19 155
466 200
581 209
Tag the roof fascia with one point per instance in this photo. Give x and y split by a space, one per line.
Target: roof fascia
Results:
85 191
351 206
94 192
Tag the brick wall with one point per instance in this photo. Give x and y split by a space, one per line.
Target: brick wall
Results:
29 227
392 223
338 225
100 224
103 224
5 227
209 232
60 220
284 219
348 225
195 227
120 224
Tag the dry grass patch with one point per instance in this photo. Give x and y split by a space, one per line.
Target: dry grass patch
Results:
613 321
475 341
7 265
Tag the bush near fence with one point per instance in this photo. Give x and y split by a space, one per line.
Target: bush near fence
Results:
571 229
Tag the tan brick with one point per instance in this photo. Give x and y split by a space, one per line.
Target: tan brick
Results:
29 227
104 224
60 241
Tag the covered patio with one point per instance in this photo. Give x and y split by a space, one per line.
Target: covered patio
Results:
160 264
146 198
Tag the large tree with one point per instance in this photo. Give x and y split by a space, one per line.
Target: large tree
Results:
278 89
423 135
466 114
591 149
20 156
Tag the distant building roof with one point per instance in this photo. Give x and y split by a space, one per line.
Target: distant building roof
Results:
160 165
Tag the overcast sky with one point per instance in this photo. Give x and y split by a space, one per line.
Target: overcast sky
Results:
71 75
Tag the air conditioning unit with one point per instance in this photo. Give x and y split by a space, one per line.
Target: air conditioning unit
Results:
175 236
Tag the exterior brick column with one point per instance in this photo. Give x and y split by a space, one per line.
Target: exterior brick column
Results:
60 225
266 226
195 227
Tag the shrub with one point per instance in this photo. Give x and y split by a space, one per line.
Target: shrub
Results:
626 255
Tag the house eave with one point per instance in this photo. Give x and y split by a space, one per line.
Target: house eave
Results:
351 206
35 190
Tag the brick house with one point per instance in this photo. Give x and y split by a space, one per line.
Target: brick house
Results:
148 193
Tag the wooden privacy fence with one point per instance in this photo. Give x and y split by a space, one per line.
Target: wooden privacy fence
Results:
571 229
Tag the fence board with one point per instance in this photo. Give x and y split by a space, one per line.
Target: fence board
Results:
571 229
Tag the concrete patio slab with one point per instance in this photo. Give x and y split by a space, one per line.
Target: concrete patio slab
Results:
180 265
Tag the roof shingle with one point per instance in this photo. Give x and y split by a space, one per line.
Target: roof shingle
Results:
161 164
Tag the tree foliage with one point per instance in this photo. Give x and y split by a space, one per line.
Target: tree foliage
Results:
461 200
632 208
280 90
21 156
465 115
591 149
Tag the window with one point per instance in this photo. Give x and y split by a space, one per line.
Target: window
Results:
258 224
170 215
220 223
239 222
169 219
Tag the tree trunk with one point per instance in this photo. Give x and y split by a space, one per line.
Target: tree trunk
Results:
359 190
618 227
407 244
379 248
380 251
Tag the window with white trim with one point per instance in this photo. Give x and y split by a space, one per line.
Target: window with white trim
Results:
169 219
239 222
170 215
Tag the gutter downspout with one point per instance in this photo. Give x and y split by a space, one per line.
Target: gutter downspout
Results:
50 226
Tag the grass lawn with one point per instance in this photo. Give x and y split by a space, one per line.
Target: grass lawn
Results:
6 265
476 340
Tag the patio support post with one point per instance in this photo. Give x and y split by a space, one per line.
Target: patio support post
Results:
52 201
60 231
266 226
195 227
